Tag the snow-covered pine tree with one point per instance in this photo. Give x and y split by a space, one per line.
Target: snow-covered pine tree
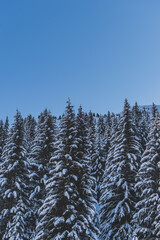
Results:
108 120
101 126
86 118
100 166
82 135
69 206
106 142
102 144
41 151
144 129
87 182
29 128
14 185
108 149
136 115
2 137
94 158
1 148
100 147
92 143
146 218
107 135
118 197
6 128
141 126
154 111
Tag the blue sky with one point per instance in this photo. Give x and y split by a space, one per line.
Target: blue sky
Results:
95 52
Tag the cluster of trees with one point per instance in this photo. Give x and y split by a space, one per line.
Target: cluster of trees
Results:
81 176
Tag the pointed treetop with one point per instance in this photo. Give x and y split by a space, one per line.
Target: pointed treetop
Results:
18 120
154 111
126 103
69 101
6 125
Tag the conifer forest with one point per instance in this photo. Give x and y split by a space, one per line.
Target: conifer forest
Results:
81 175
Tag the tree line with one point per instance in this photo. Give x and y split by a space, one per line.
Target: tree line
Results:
82 176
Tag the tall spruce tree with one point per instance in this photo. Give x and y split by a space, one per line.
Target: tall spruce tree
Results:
146 218
69 206
41 151
84 155
2 137
29 128
92 144
99 166
144 129
108 120
136 115
101 126
137 121
6 128
107 134
102 144
14 185
154 111
94 158
100 154
118 195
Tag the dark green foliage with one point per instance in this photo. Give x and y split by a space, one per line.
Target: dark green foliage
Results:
14 185
2 137
41 151
29 128
146 218
69 206
6 128
118 194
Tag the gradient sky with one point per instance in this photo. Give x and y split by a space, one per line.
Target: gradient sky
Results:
97 52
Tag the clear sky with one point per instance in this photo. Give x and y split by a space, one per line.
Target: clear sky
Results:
97 52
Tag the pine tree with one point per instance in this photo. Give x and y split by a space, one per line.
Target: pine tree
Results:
107 134
140 126
92 144
14 181
108 120
144 129
106 142
69 206
86 118
100 149
94 159
154 111
2 137
29 128
6 129
118 195
136 115
41 151
99 166
146 218
84 135
100 126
